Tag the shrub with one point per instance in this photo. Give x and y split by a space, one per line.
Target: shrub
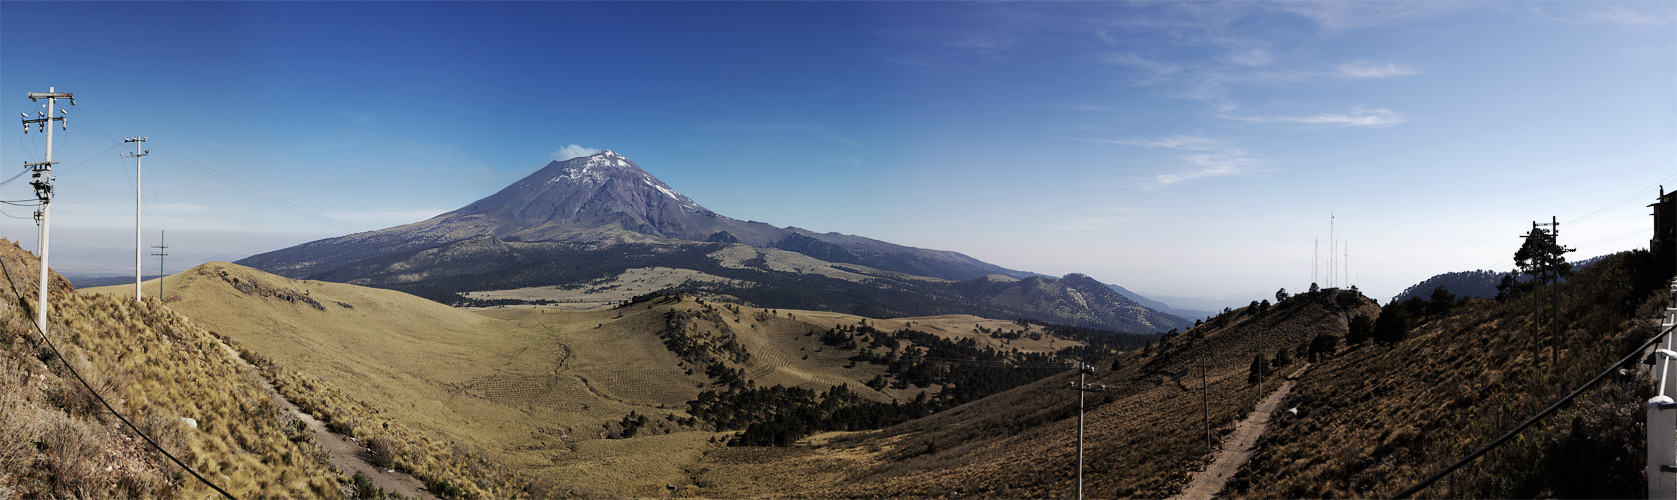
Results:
1323 345
1393 324
70 448
383 451
1362 329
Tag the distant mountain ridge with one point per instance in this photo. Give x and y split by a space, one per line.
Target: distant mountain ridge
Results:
596 217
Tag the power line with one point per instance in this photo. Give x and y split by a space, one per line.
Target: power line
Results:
1523 425
131 426
1621 202
276 201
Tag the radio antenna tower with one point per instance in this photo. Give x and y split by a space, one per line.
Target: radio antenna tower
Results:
42 181
138 152
1332 245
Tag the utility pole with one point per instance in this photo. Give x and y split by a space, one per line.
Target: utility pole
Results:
1081 388
161 252
1205 394
138 152
1536 336
42 181
1554 290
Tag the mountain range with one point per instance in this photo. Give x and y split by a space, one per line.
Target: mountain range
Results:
595 219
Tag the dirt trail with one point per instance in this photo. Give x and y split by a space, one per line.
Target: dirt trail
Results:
348 456
1238 448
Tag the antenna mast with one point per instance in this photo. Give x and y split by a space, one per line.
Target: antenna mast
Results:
138 152
42 181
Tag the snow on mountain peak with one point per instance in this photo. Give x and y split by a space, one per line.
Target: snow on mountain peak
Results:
606 159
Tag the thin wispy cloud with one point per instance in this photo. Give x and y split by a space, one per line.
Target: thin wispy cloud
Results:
1249 57
1651 14
572 151
1207 165
1202 158
1358 117
1370 70
1155 67
1337 17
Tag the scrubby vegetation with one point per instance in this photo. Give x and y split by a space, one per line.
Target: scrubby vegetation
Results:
449 469
157 369
1378 417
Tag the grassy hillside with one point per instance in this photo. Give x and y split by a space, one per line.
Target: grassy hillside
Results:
1145 433
1379 417
507 402
157 368
1389 396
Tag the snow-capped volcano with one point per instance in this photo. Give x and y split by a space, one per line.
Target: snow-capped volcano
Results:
602 189
606 198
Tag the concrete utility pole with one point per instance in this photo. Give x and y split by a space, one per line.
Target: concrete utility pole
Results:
161 252
138 152
1081 387
42 181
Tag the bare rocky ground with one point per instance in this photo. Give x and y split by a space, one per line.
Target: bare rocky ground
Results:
1238 448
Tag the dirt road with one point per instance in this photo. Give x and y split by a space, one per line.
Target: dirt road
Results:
1238 448
347 455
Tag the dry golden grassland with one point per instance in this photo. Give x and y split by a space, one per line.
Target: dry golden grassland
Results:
155 367
507 402
1145 434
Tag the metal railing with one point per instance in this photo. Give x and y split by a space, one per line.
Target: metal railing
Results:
1662 412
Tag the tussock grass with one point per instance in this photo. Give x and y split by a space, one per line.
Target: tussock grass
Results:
155 367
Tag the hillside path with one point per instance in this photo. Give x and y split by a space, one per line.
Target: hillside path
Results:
1238 448
347 456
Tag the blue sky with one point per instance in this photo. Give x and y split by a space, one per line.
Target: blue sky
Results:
1191 149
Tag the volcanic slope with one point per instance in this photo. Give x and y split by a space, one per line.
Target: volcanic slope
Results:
1377 418
537 393
1367 418
586 230
1145 432
158 369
